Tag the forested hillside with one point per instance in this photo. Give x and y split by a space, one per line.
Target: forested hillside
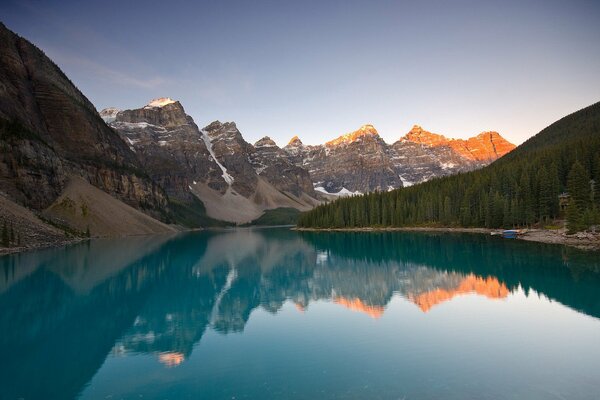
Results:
520 189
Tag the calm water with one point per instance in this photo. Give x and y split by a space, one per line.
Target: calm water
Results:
258 314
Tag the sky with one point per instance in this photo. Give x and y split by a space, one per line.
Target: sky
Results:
324 68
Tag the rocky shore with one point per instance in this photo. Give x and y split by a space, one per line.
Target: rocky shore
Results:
581 240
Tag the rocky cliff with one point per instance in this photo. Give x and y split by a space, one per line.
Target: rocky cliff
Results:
49 131
361 161
169 146
235 180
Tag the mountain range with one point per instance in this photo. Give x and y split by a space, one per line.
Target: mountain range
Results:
67 168
237 181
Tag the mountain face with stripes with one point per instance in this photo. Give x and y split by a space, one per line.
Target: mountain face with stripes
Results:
361 161
235 180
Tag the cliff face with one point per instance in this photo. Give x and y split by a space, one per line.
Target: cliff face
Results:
272 163
485 147
356 162
169 146
235 180
49 130
361 161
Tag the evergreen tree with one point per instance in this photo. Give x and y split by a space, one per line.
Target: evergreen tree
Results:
578 185
575 221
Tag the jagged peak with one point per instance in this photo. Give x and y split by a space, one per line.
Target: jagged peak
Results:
490 135
222 128
365 130
419 135
295 141
159 102
488 145
265 142
109 114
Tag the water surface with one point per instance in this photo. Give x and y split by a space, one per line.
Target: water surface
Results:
270 313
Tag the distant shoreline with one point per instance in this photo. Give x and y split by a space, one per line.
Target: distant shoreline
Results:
583 241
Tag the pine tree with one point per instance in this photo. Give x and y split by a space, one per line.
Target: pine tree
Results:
574 218
579 214
545 196
578 185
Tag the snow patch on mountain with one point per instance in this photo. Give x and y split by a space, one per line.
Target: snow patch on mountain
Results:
228 178
342 193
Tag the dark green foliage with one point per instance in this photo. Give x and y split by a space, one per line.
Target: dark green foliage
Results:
277 216
518 190
192 214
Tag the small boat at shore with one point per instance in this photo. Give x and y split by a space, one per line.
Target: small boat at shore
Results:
513 233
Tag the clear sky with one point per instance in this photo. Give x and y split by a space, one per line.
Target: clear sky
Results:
324 68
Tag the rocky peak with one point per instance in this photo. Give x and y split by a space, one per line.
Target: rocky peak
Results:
109 114
364 131
487 146
163 112
295 142
159 102
419 135
265 142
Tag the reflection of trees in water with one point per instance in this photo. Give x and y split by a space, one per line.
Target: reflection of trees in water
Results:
70 308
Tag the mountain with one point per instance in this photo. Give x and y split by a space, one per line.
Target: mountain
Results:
361 161
50 132
169 146
421 155
356 162
234 180
520 189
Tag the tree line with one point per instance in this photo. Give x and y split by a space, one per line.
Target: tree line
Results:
519 190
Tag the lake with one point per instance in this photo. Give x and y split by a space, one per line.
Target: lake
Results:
272 313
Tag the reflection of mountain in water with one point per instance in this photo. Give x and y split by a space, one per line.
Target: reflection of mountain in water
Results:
158 295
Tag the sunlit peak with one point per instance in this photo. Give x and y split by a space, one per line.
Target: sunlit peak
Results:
161 102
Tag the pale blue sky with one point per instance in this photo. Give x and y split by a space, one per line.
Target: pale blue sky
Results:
320 69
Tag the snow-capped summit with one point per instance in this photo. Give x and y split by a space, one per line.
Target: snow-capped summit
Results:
160 102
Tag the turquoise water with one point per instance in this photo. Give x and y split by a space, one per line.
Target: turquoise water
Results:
259 314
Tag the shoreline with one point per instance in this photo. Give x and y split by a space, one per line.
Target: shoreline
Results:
582 241
23 249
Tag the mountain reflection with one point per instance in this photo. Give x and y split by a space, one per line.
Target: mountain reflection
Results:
72 307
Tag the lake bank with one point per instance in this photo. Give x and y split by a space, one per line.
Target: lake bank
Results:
583 241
